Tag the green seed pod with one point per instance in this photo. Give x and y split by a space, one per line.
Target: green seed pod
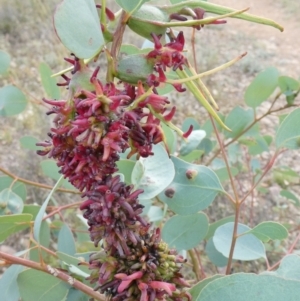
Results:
134 68
146 21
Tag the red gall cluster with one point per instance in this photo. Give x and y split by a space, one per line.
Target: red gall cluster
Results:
167 56
150 273
91 128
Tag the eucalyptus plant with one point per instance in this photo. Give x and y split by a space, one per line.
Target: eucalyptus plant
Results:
147 184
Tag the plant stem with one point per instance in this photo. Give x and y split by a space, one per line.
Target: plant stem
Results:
196 264
267 168
256 120
237 202
291 249
61 208
118 36
234 237
54 272
32 183
225 159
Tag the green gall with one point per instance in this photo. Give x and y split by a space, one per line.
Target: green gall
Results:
146 21
134 68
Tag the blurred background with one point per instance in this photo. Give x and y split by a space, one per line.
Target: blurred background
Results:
27 34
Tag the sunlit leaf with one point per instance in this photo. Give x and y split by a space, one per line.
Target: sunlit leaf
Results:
214 255
78 26
269 230
192 142
178 232
247 247
154 173
194 188
214 226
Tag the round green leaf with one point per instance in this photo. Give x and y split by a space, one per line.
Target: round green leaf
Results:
18 187
12 101
289 268
10 202
197 288
269 231
288 133
66 242
184 232
48 82
128 49
288 84
154 173
247 246
29 142
214 255
78 27
237 120
261 87
194 188
250 287
214 226
192 142
4 62
39 286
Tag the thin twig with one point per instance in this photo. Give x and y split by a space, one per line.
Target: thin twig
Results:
10 259
196 264
256 120
32 183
